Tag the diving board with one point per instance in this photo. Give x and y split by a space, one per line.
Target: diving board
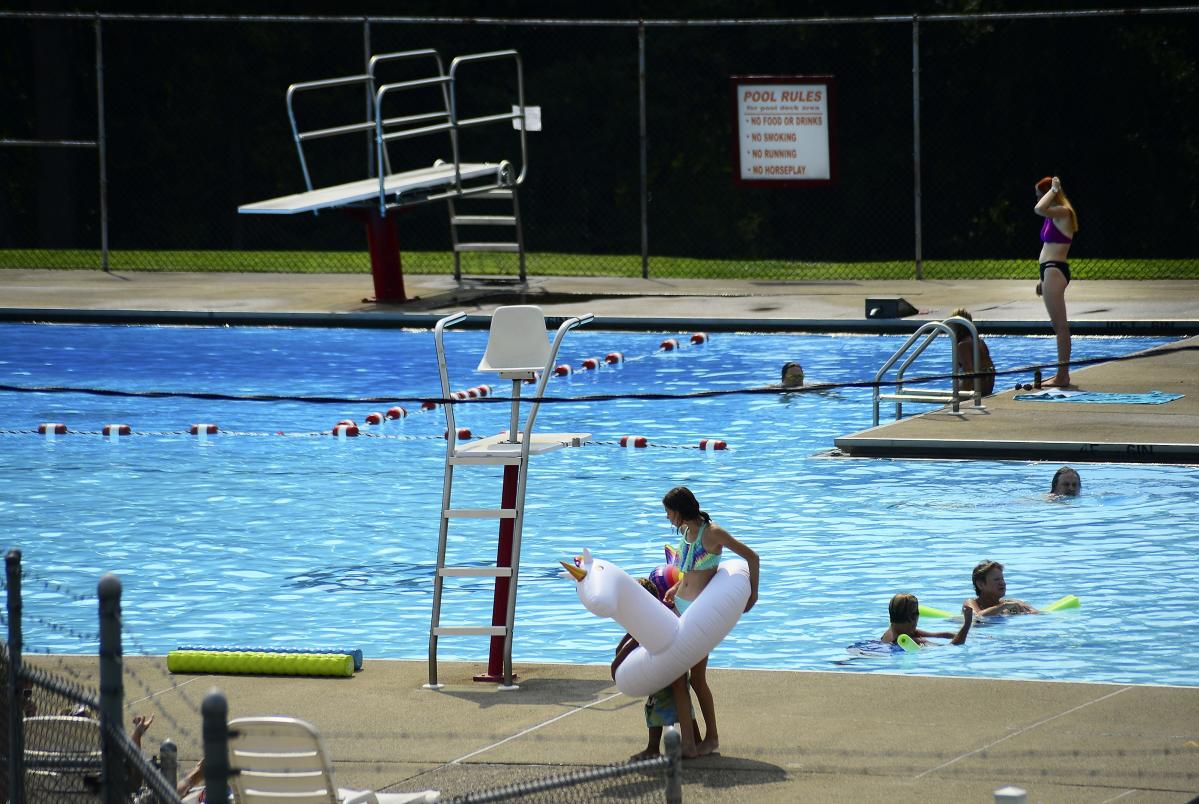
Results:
432 109
397 186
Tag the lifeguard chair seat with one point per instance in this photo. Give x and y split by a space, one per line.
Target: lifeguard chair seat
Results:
517 342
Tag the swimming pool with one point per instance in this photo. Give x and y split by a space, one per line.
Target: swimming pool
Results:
283 537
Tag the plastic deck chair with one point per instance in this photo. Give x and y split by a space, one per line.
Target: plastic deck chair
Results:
283 759
63 758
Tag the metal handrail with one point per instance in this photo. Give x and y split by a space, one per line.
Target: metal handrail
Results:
930 330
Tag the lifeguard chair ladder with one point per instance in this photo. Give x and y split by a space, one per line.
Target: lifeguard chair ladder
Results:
951 396
518 350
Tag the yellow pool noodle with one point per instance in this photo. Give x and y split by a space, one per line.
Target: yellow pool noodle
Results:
247 662
1067 602
907 643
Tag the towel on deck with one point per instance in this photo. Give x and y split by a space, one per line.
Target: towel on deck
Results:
1098 397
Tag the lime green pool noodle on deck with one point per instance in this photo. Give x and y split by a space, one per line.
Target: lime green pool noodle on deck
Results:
271 664
1067 602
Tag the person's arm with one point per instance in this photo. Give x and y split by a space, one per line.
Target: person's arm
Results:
141 724
668 596
935 634
627 645
1048 207
721 537
194 778
968 618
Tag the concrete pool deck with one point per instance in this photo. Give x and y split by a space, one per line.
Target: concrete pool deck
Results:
786 736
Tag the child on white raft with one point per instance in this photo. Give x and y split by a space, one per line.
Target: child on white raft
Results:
699 556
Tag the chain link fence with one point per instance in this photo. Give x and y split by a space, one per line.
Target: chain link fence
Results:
161 126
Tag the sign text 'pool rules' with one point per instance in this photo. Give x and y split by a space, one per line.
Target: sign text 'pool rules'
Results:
784 130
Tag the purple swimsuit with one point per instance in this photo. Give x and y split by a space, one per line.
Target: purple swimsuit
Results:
1051 234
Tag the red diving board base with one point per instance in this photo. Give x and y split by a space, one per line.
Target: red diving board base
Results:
384 245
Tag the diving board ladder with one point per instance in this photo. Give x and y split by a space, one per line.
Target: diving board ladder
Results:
518 350
951 396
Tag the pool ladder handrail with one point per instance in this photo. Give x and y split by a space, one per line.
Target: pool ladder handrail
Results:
930 330
504 450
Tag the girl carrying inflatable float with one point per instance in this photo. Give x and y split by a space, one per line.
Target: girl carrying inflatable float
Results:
710 595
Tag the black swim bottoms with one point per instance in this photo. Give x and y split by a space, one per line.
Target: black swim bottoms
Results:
1064 267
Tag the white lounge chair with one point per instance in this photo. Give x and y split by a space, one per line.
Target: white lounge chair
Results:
283 759
63 758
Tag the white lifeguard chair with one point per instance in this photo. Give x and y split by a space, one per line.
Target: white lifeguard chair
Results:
517 350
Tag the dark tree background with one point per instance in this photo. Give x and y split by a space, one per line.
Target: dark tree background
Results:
196 125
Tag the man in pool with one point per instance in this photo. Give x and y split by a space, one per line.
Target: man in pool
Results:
990 587
1066 483
904 611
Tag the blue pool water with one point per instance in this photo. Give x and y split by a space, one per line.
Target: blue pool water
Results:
278 536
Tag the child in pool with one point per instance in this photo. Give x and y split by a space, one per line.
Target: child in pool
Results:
699 557
989 586
663 707
904 610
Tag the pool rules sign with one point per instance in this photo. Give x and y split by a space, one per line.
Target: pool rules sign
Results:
784 130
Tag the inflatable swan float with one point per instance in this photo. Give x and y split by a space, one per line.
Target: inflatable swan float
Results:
669 645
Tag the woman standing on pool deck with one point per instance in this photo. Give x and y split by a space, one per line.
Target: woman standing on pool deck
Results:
699 556
1057 233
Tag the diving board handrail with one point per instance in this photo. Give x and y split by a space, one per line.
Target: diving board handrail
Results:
299 137
929 331
380 58
518 115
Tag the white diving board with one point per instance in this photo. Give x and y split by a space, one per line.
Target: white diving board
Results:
431 109
356 192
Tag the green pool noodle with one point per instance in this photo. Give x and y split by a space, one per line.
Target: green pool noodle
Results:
1067 602
907 643
929 611
275 664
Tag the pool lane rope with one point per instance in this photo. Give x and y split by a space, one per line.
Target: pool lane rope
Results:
343 430
261 663
432 402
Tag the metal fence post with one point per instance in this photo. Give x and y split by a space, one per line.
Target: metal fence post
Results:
112 691
644 148
674 775
168 757
102 146
916 143
16 732
215 711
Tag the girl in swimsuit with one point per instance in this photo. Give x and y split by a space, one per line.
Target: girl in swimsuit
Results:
699 555
1057 233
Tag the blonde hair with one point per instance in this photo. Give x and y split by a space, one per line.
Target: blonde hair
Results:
1044 185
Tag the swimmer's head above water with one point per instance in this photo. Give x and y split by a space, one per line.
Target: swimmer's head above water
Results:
1066 482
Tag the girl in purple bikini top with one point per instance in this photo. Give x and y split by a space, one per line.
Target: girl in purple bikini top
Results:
1051 234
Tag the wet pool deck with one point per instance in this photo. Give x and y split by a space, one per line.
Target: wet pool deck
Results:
786 736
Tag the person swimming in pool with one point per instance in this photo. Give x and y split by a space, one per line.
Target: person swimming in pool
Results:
989 588
1057 233
1066 483
904 612
699 556
964 353
791 375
